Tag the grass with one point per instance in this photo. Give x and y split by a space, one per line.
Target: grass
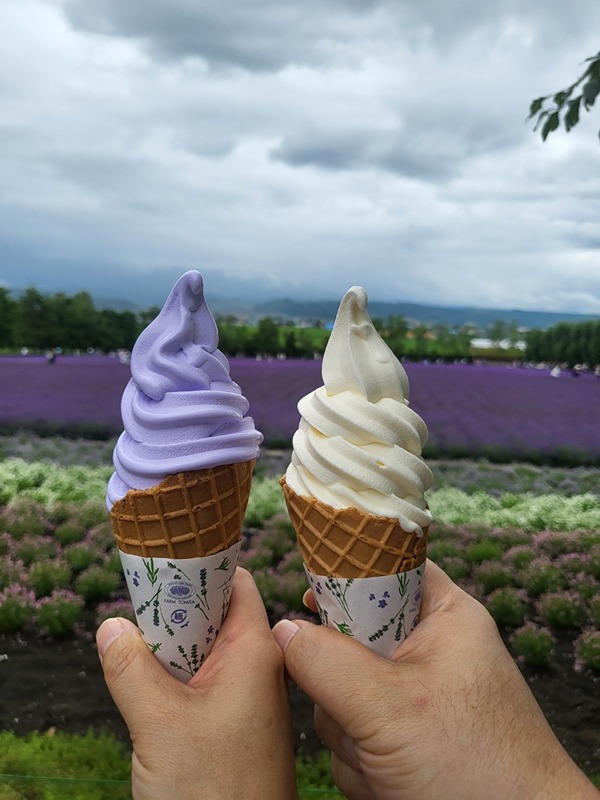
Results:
490 518
97 767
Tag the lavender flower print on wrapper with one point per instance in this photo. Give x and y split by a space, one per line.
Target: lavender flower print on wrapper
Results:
180 605
379 612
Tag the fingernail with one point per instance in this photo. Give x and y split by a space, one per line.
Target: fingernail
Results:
349 749
284 631
110 630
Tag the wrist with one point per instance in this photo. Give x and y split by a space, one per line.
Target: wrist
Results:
568 780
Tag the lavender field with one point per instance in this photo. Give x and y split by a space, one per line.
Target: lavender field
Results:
521 538
500 412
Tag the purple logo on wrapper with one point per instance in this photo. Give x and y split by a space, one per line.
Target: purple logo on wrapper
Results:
379 611
178 606
180 590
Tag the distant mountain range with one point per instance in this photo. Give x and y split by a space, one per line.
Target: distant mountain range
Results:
324 311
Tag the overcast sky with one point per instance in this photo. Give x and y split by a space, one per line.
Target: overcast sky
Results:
297 147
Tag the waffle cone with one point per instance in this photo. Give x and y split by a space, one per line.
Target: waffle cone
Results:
189 514
347 543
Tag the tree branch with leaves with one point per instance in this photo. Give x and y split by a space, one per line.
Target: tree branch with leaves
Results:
566 105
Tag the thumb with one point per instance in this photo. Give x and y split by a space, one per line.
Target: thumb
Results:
348 681
134 677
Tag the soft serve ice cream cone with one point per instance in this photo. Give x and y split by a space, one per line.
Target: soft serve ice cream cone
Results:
183 468
355 487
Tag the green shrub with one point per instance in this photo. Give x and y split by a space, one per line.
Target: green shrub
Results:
444 532
47 483
267 584
22 526
16 608
288 591
292 562
60 512
509 538
520 556
562 610
23 506
46 576
58 614
112 562
102 537
256 557
594 611
491 575
594 562
91 514
507 606
79 556
586 586
572 563
486 550
589 539
96 583
266 500
116 608
279 536
454 567
69 533
533 644
542 576
9 573
34 548
440 550
557 543
587 650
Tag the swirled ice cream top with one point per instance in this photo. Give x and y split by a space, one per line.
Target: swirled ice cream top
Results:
181 410
359 444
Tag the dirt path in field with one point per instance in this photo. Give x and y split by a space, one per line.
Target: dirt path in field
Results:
48 685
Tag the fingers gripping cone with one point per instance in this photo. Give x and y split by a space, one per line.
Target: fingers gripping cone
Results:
178 543
366 573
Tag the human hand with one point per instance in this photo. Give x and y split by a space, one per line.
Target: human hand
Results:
448 716
224 735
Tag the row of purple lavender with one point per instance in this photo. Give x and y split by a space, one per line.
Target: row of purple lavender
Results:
471 410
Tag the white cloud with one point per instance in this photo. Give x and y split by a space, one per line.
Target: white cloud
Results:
380 143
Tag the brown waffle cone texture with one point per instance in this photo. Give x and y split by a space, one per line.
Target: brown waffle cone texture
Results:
347 543
189 514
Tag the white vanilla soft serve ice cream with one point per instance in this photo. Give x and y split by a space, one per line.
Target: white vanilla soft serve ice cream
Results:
359 444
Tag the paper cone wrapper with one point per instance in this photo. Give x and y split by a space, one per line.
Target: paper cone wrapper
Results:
365 571
179 543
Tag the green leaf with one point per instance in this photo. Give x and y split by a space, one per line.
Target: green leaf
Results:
572 115
536 106
550 125
560 98
590 92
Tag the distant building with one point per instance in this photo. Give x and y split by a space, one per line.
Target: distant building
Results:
481 343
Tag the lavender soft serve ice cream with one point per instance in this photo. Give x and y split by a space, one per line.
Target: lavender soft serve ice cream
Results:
181 410
183 471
